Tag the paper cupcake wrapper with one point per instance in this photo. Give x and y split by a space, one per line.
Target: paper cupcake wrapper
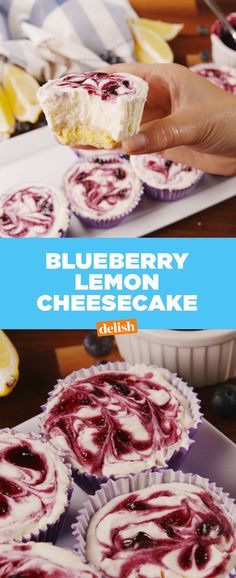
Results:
90 483
137 482
168 195
105 222
51 532
93 154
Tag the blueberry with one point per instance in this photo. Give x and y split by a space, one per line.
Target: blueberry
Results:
224 400
111 57
22 127
205 55
168 164
120 174
41 121
202 31
98 346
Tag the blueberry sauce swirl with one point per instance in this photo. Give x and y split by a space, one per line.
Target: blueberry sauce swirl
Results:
32 480
222 77
40 560
107 86
99 186
27 212
118 422
167 530
158 172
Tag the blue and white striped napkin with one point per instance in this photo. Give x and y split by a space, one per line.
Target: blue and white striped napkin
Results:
52 37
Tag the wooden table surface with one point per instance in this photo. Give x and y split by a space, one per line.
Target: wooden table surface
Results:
220 220
39 371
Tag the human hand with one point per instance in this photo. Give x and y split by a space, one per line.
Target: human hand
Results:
186 118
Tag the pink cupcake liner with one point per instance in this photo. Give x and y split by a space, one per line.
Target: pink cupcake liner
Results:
89 482
51 532
169 195
139 481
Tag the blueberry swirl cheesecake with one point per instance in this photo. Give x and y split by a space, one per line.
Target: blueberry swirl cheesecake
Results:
102 192
34 210
120 420
94 108
223 76
166 530
163 179
40 560
35 488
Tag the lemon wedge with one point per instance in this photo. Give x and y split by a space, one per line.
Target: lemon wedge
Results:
166 30
7 120
150 47
9 365
21 90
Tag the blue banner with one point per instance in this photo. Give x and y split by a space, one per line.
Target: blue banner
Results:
76 283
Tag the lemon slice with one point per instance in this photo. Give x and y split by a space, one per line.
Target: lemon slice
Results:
166 30
21 90
7 121
9 365
150 47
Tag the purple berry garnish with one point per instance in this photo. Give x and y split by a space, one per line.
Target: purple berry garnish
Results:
224 400
98 346
111 57
120 174
22 127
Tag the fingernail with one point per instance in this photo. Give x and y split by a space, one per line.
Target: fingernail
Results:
135 144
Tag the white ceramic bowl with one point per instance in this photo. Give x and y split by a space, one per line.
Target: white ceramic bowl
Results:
222 55
204 357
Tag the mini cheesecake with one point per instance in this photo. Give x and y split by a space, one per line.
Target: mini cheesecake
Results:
163 179
102 192
114 422
40 560
222 76
94 108
35 487
34 210
166 530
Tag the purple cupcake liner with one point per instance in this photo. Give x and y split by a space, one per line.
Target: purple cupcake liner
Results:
93 154
89 482
102 224
137 482
51 532
169 195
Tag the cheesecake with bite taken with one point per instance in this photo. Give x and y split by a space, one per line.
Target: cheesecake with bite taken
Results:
94 108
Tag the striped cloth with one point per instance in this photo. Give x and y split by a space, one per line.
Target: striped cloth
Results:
52 37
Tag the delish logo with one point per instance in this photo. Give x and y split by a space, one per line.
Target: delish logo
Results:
116 327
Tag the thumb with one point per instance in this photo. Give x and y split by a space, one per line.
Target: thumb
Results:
177 129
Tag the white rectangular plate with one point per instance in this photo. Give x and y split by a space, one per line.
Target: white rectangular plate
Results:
36 156
212 456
